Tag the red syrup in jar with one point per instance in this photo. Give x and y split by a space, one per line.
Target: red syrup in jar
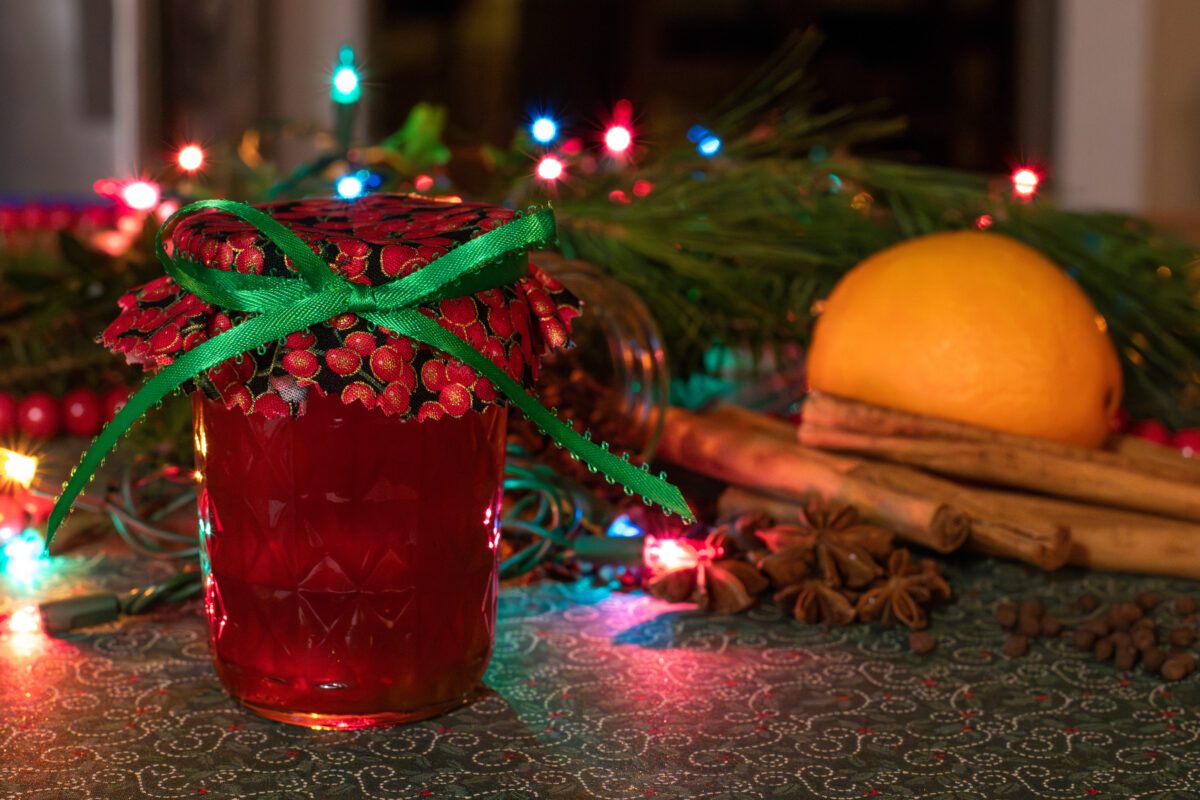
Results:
350 559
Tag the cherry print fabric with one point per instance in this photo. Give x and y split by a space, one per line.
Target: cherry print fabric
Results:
372 241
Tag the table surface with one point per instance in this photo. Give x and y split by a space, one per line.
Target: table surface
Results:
601 694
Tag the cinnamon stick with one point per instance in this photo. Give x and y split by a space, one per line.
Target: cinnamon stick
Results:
747 456
1114 540
1144 450
965 451
1002 529
828 411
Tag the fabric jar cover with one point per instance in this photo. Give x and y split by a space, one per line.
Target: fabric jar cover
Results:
370 241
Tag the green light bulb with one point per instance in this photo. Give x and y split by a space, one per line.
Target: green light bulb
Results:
345 86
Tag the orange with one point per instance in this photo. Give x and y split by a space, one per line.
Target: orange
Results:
974 327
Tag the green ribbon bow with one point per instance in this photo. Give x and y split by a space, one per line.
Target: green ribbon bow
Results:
284 305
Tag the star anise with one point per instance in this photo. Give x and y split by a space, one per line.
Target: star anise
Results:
738 532
726 586
789 566
845 522
906 594
845 550
815 601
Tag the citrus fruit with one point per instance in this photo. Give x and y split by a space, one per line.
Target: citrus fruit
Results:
974 327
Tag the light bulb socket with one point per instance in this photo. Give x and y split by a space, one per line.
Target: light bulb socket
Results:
83 611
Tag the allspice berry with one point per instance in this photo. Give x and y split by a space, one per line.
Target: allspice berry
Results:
1103 649
1126 657
1084 639
1175 668
1185 606
1097 627
1051 626
1144 638
1122 615
1016 645
1182 636
921 642
1006 614
1147 601
1153 658
1087 603
1029 617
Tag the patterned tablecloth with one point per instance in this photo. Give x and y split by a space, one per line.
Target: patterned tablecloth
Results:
599 694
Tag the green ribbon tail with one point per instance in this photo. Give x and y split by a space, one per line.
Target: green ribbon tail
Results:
635 479
246 336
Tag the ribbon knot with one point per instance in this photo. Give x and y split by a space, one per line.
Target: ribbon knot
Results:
283 305
362 299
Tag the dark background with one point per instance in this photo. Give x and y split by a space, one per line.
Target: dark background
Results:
950 66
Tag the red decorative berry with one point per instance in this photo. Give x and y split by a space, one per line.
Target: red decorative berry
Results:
342 360
360 392
301 363
8 414
271 406
114 400
1151 430
397 259
455 399
361 342
459 310
165 339
395 399
237 395
219 323
344 321
458 372
1187 441
1120 421
81 412
500 318
250 261
38 416
485 390
386 363
553 331
300 340
433 375
430 410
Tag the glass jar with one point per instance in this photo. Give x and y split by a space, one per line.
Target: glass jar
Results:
350 558
619 324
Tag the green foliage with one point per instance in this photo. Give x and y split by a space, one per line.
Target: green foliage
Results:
417 146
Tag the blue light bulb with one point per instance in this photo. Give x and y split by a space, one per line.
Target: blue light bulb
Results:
623 527
350 187
544 130
709 146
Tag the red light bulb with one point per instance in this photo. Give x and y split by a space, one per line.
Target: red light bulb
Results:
549 169
190 158
618 139
1025 182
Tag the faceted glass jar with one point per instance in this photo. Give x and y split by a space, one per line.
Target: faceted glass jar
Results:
350 559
